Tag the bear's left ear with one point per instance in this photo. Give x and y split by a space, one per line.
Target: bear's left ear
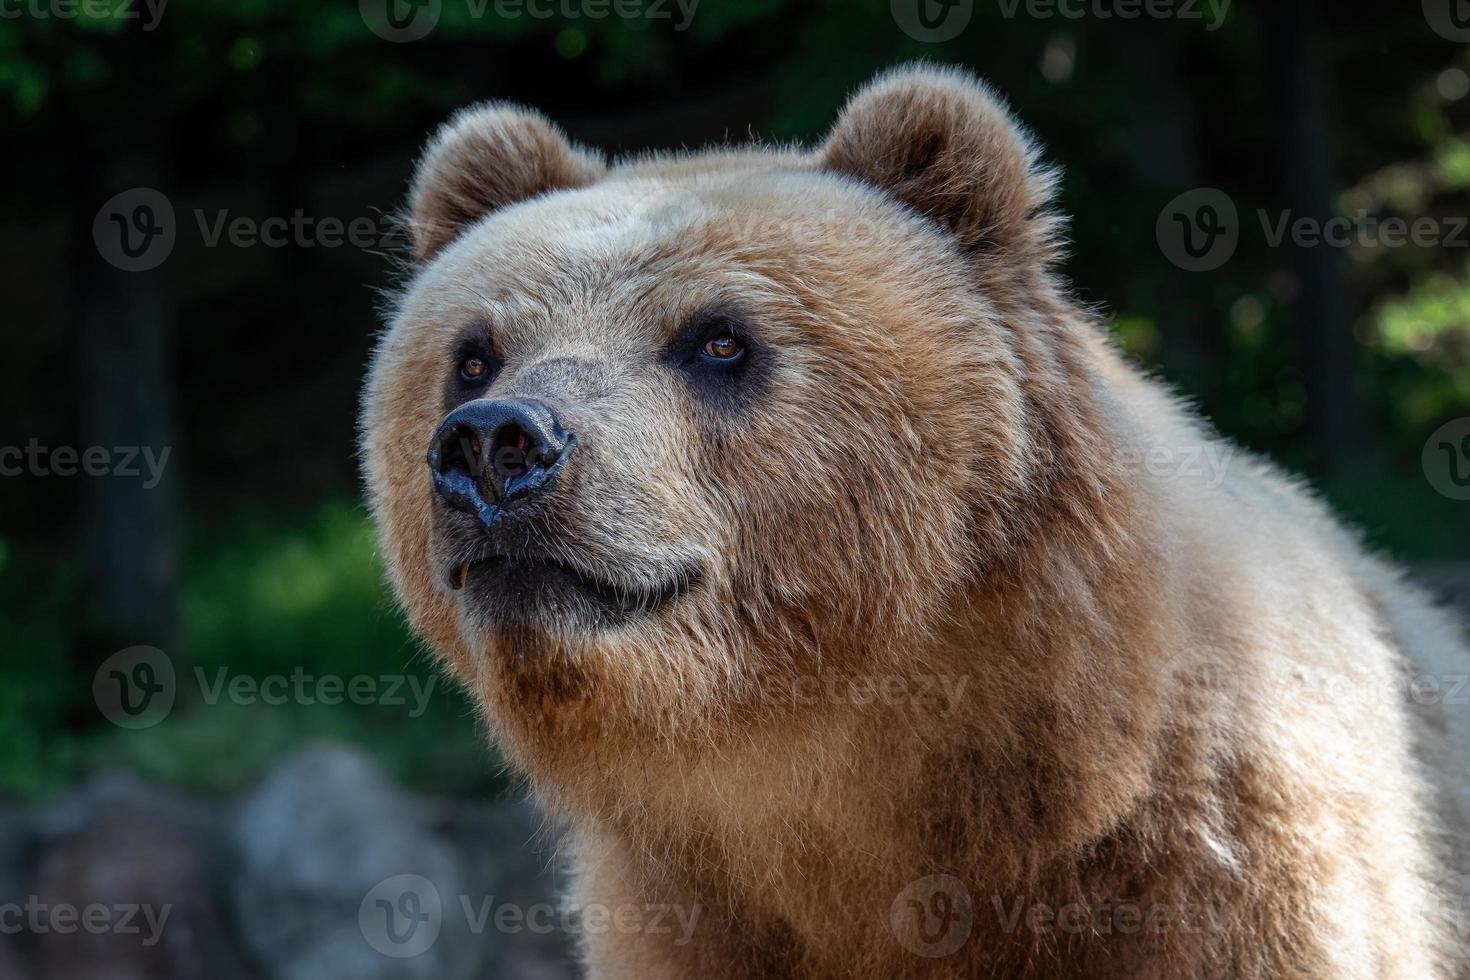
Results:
941 142
485 158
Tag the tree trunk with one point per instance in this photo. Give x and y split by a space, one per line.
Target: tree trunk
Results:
129 551
1334 410
1151 58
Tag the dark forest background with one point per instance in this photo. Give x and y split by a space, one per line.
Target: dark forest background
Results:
254 553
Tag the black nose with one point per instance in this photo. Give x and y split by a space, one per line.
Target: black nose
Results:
491 454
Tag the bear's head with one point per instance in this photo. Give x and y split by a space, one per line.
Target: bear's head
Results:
648 444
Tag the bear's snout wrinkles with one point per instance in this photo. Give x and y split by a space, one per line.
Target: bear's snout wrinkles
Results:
491 455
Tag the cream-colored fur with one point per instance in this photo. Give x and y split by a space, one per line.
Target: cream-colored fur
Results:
976 598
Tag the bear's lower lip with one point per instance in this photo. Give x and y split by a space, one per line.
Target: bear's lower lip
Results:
505 591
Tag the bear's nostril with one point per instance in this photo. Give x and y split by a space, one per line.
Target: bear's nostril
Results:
460 452
512 452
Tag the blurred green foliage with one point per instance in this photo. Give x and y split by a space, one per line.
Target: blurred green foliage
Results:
297 600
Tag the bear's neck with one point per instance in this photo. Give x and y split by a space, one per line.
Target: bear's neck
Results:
1025 739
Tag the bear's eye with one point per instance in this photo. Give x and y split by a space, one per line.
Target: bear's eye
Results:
723 348
471 366
474 369
719 353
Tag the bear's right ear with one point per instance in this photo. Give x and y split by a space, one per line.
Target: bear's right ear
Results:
485 158
941 142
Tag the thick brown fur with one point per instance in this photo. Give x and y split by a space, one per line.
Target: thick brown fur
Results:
965 608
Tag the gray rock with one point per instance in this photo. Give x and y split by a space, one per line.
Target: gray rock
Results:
123 888
328 871
344 876
509 841
17 854
18 838
119 791
12 965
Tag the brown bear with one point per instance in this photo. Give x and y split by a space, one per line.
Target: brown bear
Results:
835 581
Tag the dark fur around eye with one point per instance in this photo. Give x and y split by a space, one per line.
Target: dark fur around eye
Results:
726 382
473 345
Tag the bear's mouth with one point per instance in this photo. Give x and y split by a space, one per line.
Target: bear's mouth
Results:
517 591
